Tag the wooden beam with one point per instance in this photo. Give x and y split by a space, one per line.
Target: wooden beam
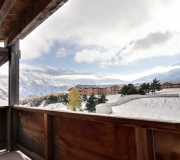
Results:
47 137
1 3
3 60
4 52
13 93
6 6
4 55
34 17
14 75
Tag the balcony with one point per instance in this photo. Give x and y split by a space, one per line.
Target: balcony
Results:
44 134
52 135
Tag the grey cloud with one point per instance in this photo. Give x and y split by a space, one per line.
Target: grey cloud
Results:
152 39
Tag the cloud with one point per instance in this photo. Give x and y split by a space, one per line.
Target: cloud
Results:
61 52
131 77
96 55
31 68
165 45
91 25
152 39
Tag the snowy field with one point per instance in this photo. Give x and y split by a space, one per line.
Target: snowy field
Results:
160 109
150 108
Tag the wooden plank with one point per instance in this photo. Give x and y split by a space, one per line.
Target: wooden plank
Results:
3 60
1 3
144 144
145 123
14 75
5 8
4 52
47 137
13 93
3 128
34 17
4 107
31 131
167 145
29 153
15 125
85 139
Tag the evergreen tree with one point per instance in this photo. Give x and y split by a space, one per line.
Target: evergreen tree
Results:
124 90
144 88
102 99
128 90
53 99
91 103
74 99
84 97
132 90
155 85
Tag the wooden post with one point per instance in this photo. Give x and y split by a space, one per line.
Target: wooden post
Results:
144 144
13 97
47 137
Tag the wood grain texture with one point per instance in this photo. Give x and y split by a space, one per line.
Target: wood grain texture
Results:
144 144
37 13
148 124
31 132
13 94
5 8
167 145
3 128
78 139
48 137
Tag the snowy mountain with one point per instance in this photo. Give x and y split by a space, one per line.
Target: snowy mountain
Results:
37 81
173 75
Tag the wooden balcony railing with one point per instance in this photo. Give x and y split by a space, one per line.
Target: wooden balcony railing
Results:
47 134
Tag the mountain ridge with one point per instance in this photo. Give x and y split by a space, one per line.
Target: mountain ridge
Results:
38 81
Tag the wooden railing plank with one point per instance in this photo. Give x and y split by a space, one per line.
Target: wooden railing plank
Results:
47 137
100 137
144 144
145 123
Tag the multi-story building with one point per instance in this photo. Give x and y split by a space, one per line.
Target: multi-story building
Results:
98 90
170 85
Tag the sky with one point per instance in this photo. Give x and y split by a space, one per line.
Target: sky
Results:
128 39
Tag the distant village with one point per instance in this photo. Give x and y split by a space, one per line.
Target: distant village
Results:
115 89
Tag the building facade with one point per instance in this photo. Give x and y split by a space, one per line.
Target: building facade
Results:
170 85
97 90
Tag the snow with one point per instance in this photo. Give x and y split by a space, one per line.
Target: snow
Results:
113 98
55 106
169 91
150 108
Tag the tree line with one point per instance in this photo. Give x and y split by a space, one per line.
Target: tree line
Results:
144 88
